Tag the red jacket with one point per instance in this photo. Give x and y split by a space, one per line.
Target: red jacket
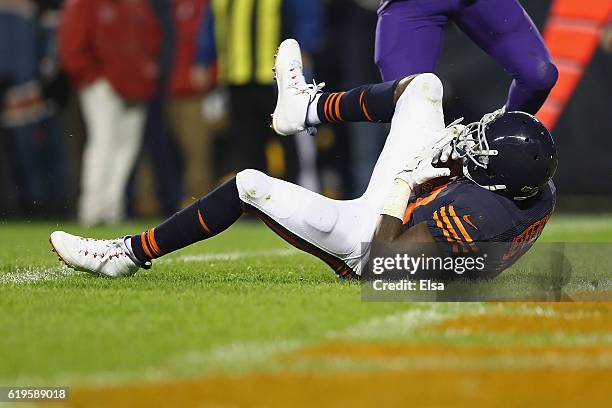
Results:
188 15
114 39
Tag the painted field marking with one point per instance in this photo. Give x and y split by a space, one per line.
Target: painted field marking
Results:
230 256
22 276
244 356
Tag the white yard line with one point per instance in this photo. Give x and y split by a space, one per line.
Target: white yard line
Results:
401 325
22 276
230 256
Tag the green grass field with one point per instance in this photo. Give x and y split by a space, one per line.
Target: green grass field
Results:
245 302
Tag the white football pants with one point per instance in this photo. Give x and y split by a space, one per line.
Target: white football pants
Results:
114 134
338 231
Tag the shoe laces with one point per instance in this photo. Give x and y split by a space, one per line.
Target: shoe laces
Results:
299 82
102 248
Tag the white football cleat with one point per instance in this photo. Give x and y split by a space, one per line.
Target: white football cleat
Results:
112 258
294 94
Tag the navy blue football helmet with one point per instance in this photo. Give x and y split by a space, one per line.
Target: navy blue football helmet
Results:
511 153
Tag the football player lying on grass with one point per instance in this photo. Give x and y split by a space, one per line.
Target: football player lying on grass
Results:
498 191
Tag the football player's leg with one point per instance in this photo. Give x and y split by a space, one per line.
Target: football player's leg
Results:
503 29
367 103
418 119
207 217
326 228
409 38
332 230
300 106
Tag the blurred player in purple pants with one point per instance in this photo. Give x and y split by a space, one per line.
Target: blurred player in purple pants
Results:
409 39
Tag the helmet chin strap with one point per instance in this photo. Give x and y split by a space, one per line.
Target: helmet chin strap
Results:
493 187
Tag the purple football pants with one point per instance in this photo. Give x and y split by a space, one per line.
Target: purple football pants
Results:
409 39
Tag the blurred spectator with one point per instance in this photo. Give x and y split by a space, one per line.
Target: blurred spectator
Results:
31 92
159 142
176 136
109 49
243 36
366 139
186 94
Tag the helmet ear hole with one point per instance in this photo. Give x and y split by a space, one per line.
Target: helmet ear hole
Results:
526 140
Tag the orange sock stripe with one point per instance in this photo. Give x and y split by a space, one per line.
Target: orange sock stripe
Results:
203 224
149 245
145 247
363 107
327 109
332 118
338 102
154 246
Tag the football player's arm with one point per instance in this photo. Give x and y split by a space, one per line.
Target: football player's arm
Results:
391 239
391 230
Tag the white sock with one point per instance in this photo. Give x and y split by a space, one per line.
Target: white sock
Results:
312 117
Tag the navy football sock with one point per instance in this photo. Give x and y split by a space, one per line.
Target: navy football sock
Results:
368 103
207 217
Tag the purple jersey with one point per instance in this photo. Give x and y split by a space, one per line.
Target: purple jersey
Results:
409 41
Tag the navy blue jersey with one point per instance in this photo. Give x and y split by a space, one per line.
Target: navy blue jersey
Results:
460 215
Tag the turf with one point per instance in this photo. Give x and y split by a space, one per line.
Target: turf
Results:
231 304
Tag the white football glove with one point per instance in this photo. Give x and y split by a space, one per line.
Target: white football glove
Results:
461 142
450 150
420 170
423 173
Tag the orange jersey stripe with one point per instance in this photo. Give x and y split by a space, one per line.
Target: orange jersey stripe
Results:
462 229
450 227
145 246
202 223
423 201
409 211
444 231
154 246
